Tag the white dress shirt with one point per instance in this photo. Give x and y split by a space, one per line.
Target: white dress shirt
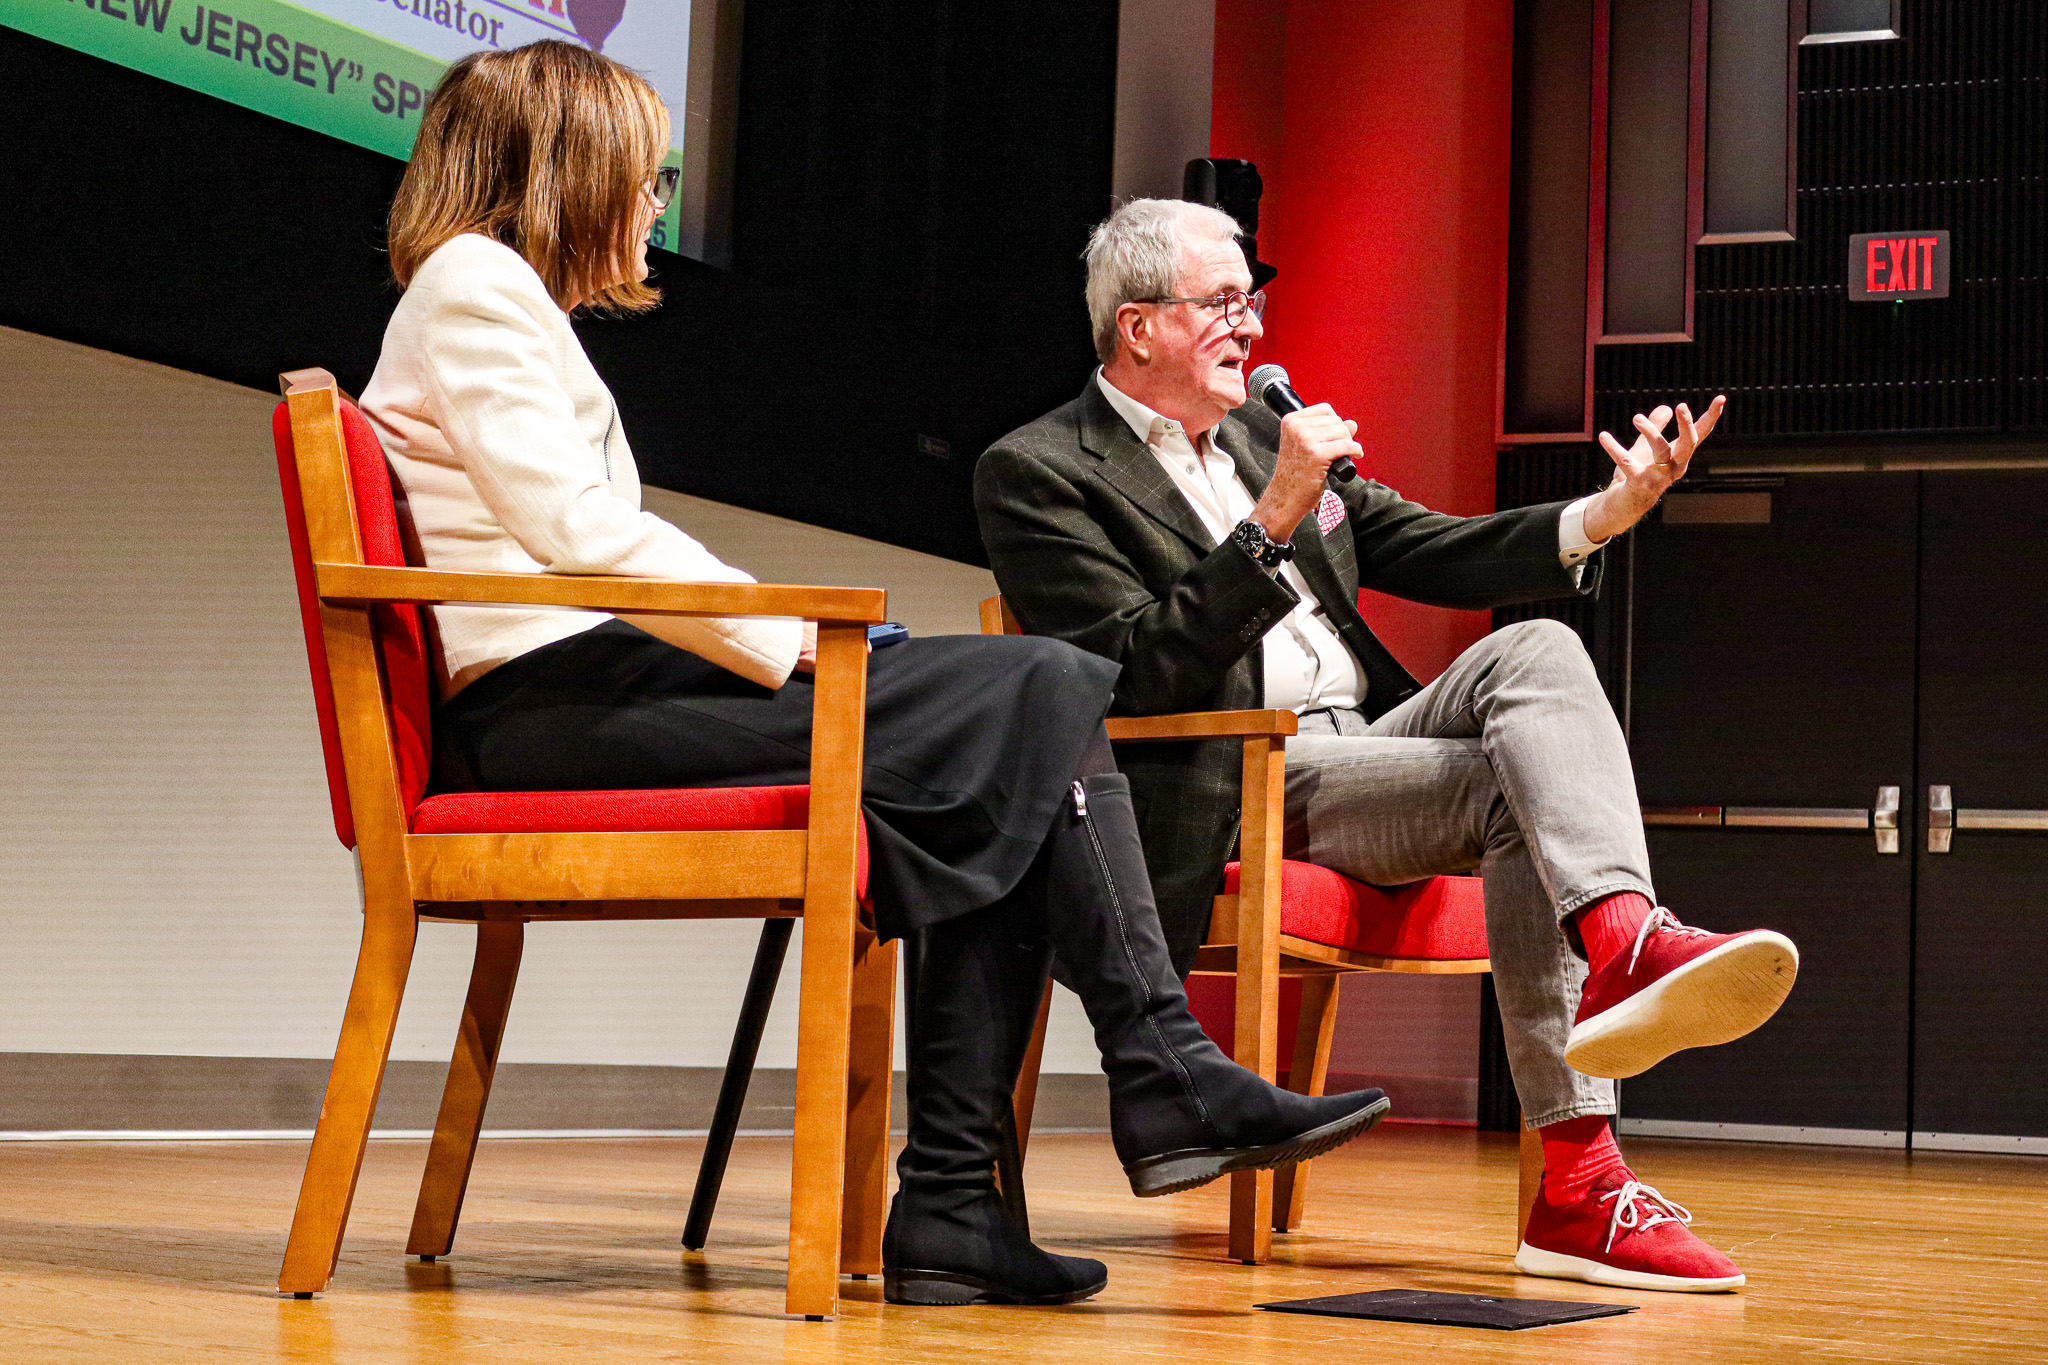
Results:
509 450
1307 665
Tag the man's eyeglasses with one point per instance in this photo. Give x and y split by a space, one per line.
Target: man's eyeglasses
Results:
662 189
1235 305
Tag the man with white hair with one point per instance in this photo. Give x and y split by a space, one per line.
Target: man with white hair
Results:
1160 521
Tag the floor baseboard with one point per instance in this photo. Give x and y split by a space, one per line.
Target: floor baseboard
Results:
46 1094
79 1095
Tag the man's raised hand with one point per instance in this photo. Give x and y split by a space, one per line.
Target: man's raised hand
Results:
1644 470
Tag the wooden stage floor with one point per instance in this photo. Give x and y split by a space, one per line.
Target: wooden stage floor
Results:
166 1252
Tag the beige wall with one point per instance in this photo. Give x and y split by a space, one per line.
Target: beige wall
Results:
1165 55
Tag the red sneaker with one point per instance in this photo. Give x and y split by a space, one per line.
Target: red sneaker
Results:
1680 988
1622 1233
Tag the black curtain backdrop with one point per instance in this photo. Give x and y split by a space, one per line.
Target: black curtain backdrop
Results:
915 181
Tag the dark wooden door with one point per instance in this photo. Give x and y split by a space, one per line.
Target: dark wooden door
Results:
1980 1039
1774 668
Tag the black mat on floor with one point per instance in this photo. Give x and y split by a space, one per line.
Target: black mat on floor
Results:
1450 1310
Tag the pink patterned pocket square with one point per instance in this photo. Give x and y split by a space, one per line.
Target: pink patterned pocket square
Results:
1329 512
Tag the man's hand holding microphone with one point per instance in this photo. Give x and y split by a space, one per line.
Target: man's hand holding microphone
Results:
1315 446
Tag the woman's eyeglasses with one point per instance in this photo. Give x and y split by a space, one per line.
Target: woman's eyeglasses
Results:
1235 305
662 189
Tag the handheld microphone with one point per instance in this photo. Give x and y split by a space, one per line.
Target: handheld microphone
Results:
1269 386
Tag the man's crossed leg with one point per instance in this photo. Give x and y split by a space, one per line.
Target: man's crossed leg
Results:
1512 763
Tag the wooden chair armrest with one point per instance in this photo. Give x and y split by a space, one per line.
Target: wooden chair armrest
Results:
1202 725
357 583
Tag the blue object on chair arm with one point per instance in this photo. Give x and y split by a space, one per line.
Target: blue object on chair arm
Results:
886 634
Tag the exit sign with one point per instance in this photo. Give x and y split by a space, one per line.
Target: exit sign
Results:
1898 265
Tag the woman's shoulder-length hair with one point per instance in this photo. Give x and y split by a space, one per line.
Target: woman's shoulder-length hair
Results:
545 148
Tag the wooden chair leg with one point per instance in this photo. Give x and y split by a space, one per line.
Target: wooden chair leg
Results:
491 980
1025 1097
1017 1138
1531 1175
1251 1216
739 1072
817 1185
873 1052
1258 972
329 1187
818 1169
1314 1032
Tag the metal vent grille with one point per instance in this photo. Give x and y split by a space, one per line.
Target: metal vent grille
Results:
2026 150
1941 129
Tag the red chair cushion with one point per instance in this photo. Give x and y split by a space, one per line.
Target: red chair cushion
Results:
1443 918
401 637
661 809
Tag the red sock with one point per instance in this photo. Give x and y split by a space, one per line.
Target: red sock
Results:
1576 1153
1609 926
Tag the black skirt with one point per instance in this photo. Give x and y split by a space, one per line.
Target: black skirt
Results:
972 742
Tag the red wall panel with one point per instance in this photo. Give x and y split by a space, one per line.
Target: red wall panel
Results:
1381 129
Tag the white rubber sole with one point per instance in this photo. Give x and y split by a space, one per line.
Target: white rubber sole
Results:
1715 998
1553 1265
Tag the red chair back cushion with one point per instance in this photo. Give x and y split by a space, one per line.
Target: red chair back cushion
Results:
401 635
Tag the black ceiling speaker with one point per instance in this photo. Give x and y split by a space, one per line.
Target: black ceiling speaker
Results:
1234 187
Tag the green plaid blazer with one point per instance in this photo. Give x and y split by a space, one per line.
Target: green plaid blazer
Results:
1092 544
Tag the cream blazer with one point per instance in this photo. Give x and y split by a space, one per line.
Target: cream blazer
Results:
509 450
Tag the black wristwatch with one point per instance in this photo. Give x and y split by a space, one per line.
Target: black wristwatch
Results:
1265 551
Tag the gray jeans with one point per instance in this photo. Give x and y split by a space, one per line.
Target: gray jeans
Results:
1511 762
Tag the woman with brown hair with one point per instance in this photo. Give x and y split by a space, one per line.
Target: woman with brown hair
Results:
533 185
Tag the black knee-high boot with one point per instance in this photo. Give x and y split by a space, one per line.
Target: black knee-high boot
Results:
1181 1113
950 1238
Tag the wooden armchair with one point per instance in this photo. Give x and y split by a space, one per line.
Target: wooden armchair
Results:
1301 921
502 860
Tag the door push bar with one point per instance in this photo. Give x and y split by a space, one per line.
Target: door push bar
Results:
1943 819
1883 818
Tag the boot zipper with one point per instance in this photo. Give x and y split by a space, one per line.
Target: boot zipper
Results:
1116 905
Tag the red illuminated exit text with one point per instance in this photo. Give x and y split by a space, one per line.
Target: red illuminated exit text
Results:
1898 265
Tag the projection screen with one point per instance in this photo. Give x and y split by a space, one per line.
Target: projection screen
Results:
359 69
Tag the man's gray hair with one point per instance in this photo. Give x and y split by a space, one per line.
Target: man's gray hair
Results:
1135 254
